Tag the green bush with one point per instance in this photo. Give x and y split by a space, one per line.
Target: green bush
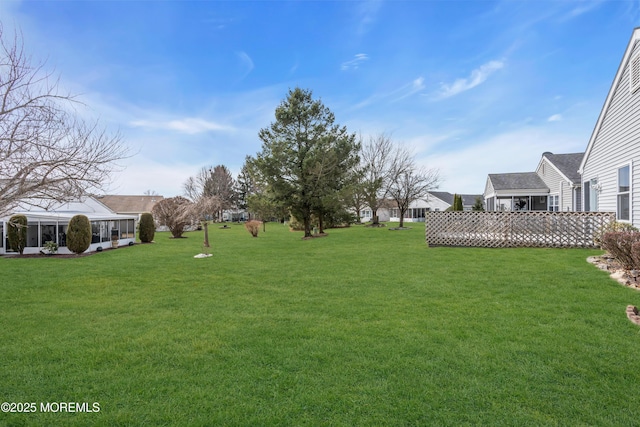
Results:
51 246
17 233
79 234
147 228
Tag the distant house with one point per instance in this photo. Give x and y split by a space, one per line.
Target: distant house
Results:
436 201
609 169
468 200
515 192
51 224
554 186
129 205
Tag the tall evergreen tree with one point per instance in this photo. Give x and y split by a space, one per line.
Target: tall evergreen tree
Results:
305 156
457 203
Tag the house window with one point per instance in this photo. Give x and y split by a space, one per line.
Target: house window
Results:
634 73
623 193
554 203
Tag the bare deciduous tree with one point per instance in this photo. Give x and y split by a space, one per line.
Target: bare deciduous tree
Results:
380 159
204 204
48 153
172 213
409 182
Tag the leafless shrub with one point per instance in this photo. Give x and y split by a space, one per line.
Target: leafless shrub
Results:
253 227
624 246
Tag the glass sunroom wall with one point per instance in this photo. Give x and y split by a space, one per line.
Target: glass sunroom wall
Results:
521 203
504 204
62 234
32 235
48 232
105 230
95 231
539 203
126 228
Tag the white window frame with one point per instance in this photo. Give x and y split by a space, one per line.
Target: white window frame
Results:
551 206
623 193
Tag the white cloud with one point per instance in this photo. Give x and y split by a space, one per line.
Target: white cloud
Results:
582 8
477 77
354 64
246 62
411 88
414 87
555 118
189 125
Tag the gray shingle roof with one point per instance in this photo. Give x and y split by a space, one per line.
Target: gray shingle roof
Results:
443 195
467 199
517 181
568 164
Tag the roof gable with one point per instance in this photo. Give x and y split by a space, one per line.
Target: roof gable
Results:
635 37
566 164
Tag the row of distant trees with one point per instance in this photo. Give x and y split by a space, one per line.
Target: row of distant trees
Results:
314 170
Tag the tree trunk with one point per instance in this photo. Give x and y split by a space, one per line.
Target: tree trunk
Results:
205 225
320 223
402 218
375 220
307 226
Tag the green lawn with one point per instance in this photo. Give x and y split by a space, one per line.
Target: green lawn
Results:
365 327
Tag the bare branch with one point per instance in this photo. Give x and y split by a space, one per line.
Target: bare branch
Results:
47 152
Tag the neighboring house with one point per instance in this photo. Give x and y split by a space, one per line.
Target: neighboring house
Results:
554 186
515 192
610 168
436 201
129 205
468 200
51 225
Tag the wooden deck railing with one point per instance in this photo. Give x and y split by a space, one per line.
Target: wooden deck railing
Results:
515 229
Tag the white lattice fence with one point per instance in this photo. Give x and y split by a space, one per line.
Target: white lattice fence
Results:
515 229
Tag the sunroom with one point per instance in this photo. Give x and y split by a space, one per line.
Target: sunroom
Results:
107 229
518 192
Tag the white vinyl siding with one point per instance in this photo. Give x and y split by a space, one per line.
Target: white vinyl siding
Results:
617 143
557 184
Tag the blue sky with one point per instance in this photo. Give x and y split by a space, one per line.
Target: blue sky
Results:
473 87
